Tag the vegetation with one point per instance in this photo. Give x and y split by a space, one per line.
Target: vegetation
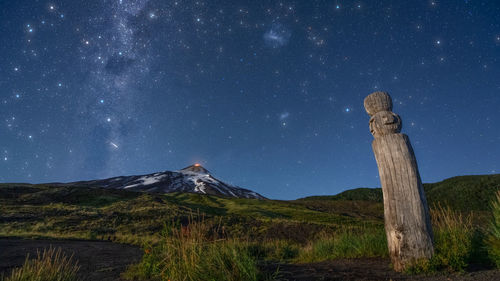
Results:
453 236
493 239
131 217
347 244
363 194
463 193
193 235
50 265
198 251
203 251
457 243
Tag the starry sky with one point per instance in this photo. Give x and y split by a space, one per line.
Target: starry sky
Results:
267 95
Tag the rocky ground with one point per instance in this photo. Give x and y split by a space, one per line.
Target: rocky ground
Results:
105 261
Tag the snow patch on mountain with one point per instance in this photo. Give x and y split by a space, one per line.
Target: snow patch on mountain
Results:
147 180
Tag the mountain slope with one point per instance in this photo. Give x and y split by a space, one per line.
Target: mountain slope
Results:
192 179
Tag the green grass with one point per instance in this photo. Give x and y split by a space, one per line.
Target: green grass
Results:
493 238
456 242
50 265
85 213
348 225
347 244
453 234
77 212
198 251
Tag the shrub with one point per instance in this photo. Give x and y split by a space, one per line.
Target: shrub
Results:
493 239
454 242
195 252
50 265
347 244
453 234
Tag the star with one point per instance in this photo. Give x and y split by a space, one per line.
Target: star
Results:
196 75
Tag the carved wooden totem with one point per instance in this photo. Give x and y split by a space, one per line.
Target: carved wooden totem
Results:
407 222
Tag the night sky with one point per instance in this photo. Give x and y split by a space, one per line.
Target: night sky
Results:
267 95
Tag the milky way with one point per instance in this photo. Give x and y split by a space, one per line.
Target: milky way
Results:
118 61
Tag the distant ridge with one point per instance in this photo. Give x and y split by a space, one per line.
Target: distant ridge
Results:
461 193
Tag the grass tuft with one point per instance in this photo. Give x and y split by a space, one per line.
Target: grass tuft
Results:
493 239
198 251
454 241
50 265
346 244
454 235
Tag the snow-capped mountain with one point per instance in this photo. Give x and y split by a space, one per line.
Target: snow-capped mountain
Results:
193 179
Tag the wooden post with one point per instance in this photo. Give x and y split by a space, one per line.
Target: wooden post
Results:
406 214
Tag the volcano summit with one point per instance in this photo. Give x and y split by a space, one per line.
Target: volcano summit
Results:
192 179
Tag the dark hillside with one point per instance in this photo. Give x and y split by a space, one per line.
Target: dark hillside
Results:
463 193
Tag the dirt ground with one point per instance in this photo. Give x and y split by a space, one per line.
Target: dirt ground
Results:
365 269
98 260
105 261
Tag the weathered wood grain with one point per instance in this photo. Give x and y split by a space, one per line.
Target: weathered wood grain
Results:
406 214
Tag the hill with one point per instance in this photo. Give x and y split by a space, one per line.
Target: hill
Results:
462 193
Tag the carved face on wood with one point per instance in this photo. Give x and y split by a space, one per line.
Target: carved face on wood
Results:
384 123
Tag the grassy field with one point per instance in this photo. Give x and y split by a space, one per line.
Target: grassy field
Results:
174 229
74 212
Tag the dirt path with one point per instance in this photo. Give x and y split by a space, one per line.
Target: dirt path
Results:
98 260
365 269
